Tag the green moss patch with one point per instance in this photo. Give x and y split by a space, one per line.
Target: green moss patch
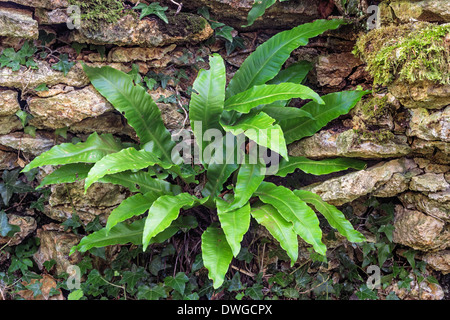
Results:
411 53
95 11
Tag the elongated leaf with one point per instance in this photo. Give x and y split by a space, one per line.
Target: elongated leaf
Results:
136 105
123 233
336 104
66 174
279 228
284 113
91 151
163 211
218 173
130 207
234 223
266 61
142 182
295 73
257 10
216 254
267 93
249 178
318 167
126 159
306 223
207 99
334 216
260 129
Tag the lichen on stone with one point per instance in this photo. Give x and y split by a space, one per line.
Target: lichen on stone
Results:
411 52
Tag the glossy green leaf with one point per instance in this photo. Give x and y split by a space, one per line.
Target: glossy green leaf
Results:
267 93
142 182
126 159
334 216
266 61
207 99
318 167
218 173
336 104
260 129
295 73
130 207
249 178
280 113
163 211
234 223
123 233
136 105
66 174
216 254
304 219
279 228
257 10
92 150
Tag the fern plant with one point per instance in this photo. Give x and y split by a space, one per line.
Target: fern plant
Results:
256 98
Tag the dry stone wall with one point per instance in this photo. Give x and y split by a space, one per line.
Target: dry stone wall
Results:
402 130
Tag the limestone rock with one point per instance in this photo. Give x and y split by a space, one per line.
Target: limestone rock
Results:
28 144
56 245
333 69
48 4
351 143
100 200
44 74
351 186
66 109
122 54
429 182
108 122
421 202
7 160
426 10
439 261
430 125
26 224
9 103
130 31
9 124
48 17
17 23
419 231
436 151
422 94
280 15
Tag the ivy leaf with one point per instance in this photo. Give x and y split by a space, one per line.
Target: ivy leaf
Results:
11 185
225 33
63 64
151 293
132 277
178 283
153 8
365 293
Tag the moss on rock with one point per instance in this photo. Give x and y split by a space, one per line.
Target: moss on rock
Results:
411 52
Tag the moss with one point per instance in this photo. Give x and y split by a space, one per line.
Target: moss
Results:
411 52
95 11
376 136
374 107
